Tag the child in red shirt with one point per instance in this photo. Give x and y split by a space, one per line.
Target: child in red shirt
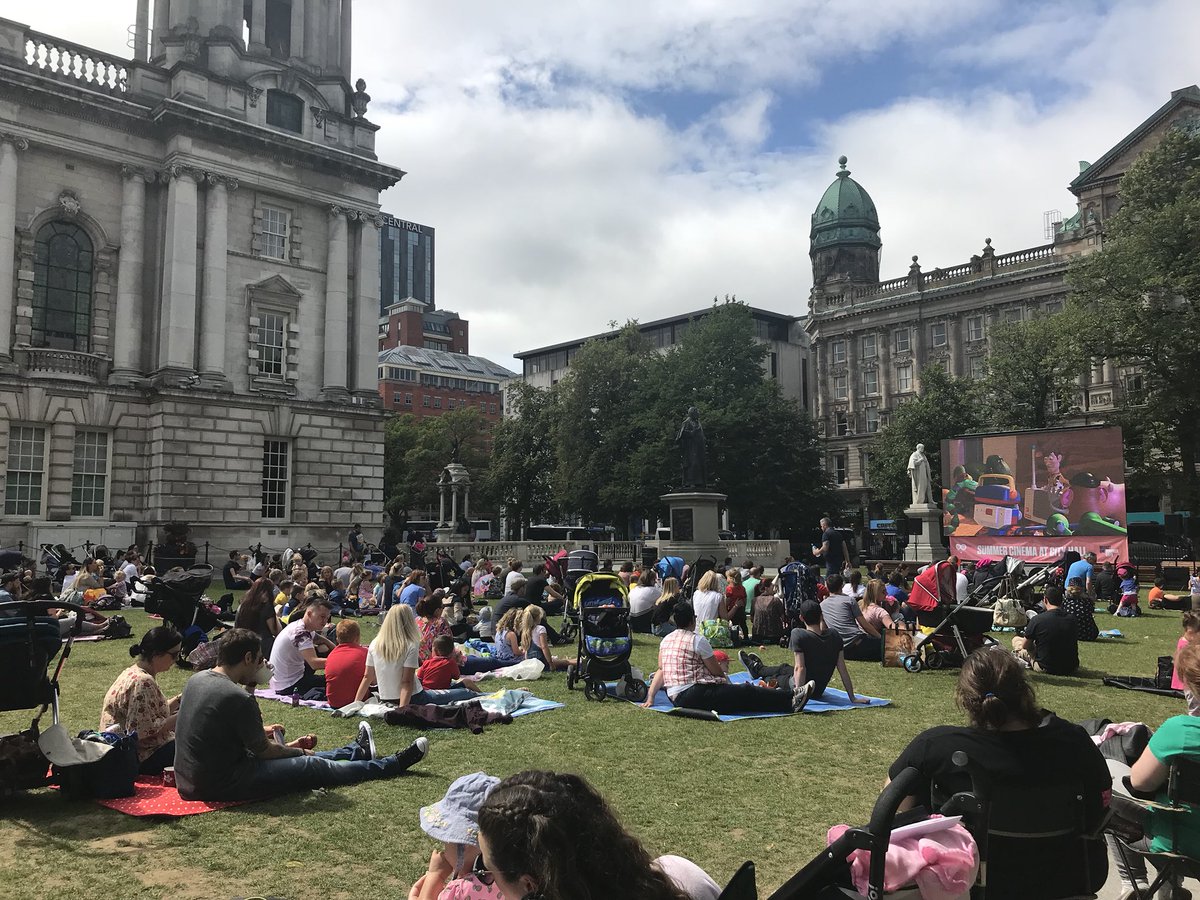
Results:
440 671
345 666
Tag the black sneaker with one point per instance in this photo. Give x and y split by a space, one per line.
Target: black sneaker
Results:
410 755
366 740
801 694
751 662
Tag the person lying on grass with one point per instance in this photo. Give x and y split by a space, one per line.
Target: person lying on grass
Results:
224 752
552 836
816 654
694 680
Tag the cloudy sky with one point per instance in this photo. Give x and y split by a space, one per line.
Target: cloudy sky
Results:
589 162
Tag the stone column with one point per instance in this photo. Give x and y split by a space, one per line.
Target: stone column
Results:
141 29
346 35
441 504
314 46
126 358
177 325
454 505
885 370
297 29
467 502
336 307
214 308
9 147
918 351
853 379
162 19
258 25
954 346
366 311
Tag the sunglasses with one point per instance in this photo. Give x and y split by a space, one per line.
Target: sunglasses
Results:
481 873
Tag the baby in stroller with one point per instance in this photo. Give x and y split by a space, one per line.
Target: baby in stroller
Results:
1127 606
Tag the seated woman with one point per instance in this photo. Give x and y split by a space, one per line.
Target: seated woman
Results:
392 661
1077 603
872 605
735 602
536 642
707 601
693 678
257 613
664 607
135 702
1013 742
1162 831
508 643
527 862
642 599
768 613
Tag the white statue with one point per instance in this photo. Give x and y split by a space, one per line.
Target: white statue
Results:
918 471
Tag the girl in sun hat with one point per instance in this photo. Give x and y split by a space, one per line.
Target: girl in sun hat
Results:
454 820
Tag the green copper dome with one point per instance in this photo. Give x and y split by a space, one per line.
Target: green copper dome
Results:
845 215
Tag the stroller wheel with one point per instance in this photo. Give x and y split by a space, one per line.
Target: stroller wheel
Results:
595 690
636 690
912 663
571 678
936 660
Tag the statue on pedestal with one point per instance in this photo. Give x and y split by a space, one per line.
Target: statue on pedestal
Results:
918 471
691 445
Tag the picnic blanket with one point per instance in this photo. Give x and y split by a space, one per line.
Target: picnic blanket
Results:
1110 634
268 694
831 701
509 703
151 798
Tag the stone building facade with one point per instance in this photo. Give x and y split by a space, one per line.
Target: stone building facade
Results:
871 339
189 280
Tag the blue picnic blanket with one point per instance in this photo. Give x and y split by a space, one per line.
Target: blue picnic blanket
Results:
831 701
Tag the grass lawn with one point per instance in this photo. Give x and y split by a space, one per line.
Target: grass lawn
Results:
765 790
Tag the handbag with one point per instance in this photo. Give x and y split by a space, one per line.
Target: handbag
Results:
1008 613
111 776
716 632
898 642
22 765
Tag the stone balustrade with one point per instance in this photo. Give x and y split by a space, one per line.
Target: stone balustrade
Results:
765 552
963 271
74 62
69 364
1033 254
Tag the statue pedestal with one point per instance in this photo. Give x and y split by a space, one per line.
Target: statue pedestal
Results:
444 535
926 546
694 517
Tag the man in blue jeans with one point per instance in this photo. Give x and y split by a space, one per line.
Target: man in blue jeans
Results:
224 752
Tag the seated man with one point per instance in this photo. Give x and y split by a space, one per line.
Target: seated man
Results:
860 639
223 751
816 651
345 665
294 660
694 680
539 590
1051 641
231 574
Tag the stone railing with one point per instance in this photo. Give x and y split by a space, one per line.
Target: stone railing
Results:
963 271
884 287
73 62
1033 254
766 552
69 364
763 553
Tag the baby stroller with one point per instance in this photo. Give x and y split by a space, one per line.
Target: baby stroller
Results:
55 558
694 573
958 629
799 586
605 639
30 638
178 596
567 569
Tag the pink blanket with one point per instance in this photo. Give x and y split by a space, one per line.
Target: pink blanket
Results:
942 865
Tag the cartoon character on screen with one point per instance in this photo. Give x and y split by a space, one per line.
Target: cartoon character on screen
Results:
1057 484
997 500
960 498
1089 500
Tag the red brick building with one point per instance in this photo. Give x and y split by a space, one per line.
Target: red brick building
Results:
428 382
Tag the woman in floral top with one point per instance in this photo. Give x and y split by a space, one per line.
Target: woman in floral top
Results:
135 702
430 622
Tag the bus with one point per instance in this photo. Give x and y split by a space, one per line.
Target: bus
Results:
589 533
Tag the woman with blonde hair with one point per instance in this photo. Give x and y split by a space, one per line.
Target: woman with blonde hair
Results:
707 600
392 661
660 617
871 604
535 641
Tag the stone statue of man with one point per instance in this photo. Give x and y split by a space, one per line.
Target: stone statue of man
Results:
691 445
918 471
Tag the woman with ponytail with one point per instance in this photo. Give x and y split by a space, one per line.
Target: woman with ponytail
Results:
552 836
1010 742
135 702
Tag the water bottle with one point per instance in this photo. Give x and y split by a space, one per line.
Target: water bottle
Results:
295 698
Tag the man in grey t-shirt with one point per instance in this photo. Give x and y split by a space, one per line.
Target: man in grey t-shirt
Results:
224 752
860 639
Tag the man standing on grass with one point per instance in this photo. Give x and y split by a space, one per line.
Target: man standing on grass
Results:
224 752
832 548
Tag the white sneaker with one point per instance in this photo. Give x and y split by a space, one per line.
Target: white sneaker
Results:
801 694
366 740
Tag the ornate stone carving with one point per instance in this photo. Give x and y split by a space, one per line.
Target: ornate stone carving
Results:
176 170
252 95
359 99
191 40
147 175
16 141
68 203
215 178
319 115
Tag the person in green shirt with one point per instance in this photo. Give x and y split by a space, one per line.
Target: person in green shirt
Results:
750 583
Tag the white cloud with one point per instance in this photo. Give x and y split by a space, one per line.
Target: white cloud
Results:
559 206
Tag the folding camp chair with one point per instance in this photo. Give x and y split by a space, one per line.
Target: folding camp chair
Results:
1183 794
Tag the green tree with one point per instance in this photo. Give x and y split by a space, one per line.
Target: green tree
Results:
1032 372
945 407
523 457
416 451
1140 300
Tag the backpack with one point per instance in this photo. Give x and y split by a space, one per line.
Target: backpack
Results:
118 627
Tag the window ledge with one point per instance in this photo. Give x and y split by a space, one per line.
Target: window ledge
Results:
261 385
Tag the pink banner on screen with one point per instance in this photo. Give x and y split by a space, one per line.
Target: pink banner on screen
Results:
1038 549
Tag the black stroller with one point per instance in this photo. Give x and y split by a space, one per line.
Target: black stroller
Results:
55 558
957 629
605 639
178 596
695 572
30 639
568 569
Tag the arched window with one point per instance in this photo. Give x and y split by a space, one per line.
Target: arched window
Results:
62 287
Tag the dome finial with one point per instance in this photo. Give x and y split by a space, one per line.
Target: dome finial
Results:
843 172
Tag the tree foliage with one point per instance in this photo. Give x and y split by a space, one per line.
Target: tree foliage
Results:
1140 301
523 459
945 407
1032 372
